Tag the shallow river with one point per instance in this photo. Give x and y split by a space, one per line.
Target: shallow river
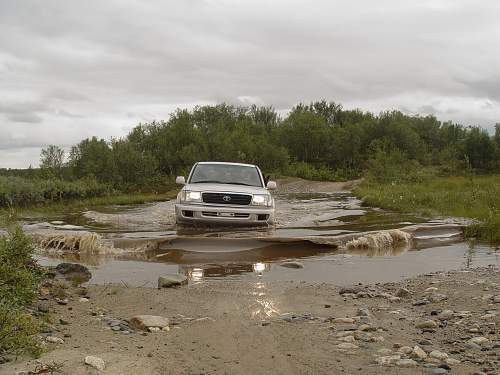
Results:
136 244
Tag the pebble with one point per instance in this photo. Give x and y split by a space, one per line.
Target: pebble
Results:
343 320
388 360
144 322
418 352
403 292
384 351
347 346
95 362
421 302
445 315
406 363
54 340
405 350
452 361
363 311
426 324
437 371
437 297
83 300
438 355
479 340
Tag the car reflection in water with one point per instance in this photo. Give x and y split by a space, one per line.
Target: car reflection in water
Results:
199 272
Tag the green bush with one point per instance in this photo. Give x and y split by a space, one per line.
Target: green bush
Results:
19 280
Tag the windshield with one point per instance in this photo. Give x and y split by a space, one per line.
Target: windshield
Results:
226 174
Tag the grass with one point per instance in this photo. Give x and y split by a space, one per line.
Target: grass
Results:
19 280
474 197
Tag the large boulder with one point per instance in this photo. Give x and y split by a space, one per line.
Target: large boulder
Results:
172 280
144 322
74 271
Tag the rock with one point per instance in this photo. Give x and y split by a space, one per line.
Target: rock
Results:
437 297
172 280
388 360
437 371
496 299
63 322
479 340
445 315
363 311
144 322
406 363
418 353
347 346
54 340
292 265
438 355
115 328
426 324
74 271
83 300
95 362
403 292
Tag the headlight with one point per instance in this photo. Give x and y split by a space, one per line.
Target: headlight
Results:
262 200
190 196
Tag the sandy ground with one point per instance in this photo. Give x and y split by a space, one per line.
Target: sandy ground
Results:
278 328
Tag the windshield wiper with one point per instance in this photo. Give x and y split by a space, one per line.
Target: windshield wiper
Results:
220 182
208 182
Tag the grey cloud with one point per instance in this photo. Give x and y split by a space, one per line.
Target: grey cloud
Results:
25 117
118 62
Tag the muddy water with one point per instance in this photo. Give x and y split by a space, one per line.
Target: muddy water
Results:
134 245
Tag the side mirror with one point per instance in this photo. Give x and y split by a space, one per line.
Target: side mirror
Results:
271 185
180 180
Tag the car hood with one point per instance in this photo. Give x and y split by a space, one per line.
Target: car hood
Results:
225 188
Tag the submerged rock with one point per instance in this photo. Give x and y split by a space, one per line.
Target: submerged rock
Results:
292 265
172 280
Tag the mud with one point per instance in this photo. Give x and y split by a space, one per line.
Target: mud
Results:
320 224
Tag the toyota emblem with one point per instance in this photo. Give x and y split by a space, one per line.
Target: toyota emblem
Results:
226 198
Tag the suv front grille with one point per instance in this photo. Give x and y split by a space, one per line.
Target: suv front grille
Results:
227 198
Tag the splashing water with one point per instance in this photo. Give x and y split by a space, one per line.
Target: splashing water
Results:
381 240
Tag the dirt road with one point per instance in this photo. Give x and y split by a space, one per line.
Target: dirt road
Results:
280 328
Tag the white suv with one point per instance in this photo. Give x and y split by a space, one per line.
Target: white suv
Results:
225 193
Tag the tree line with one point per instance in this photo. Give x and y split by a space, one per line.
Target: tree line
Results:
320 140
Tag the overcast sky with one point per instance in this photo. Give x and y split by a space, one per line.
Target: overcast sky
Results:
73 69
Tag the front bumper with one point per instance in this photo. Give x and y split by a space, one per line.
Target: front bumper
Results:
225 215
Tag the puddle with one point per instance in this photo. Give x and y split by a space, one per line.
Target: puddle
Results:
331 234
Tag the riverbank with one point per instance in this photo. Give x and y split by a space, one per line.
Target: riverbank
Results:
432 324
476 198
